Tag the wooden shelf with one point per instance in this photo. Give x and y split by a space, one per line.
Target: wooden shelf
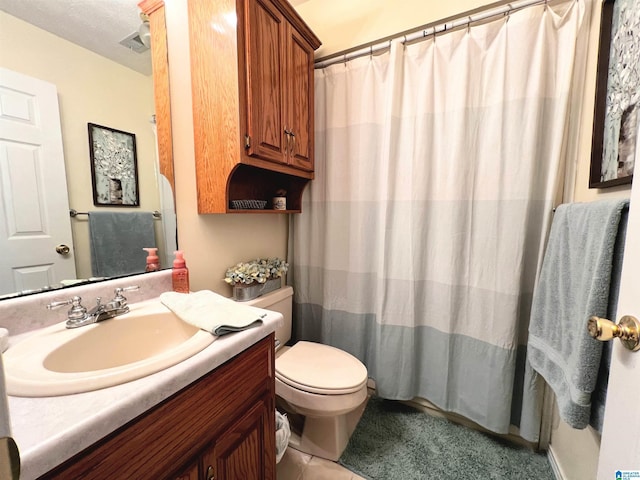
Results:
264 210
247 182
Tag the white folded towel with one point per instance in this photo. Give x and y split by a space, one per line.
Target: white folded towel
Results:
212 312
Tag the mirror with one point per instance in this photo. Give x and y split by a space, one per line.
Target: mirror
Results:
91 88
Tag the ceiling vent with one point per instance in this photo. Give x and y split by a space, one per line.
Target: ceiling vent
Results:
134 42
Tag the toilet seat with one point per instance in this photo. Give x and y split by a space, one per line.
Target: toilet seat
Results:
320 369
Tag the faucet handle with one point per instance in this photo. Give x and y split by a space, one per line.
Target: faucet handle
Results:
121 299
76 312
98 307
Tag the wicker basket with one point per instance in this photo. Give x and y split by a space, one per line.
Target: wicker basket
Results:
248 204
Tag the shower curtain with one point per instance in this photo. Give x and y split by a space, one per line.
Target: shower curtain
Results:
437 165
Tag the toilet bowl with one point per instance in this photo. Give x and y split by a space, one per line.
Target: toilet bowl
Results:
324 387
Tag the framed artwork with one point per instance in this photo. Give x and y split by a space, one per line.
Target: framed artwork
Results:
114 167
617 106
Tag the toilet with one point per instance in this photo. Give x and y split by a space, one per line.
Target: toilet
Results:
322 389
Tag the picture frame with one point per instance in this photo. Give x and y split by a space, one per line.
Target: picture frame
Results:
617 102
114 167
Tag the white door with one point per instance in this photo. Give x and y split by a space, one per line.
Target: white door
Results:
620 447
34 206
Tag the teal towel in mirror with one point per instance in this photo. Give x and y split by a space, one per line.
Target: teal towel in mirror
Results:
117 240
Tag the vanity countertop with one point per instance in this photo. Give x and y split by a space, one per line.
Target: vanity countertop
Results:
50 430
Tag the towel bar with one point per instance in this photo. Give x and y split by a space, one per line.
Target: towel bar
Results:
74 213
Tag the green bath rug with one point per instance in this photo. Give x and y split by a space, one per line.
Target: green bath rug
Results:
395 441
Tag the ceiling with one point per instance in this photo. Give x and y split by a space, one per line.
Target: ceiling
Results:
97 25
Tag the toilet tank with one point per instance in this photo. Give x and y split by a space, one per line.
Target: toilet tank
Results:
280 301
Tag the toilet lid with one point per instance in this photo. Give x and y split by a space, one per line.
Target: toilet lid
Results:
318 368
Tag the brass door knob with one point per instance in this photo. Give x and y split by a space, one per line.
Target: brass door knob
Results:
63 249
627 330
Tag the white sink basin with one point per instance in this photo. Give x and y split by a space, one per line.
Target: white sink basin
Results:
61 361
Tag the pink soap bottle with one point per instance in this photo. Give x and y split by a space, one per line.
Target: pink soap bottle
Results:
153 263
180 274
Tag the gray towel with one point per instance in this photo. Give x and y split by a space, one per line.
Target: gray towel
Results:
212 312
599 395
574 284
117 240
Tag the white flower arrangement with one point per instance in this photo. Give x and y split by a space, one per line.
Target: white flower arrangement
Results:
259 270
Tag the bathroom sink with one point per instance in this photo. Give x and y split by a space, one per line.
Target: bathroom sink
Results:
61 361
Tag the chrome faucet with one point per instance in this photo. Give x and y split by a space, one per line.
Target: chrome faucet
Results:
78 316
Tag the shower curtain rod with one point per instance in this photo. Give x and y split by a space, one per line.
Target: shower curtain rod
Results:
424 31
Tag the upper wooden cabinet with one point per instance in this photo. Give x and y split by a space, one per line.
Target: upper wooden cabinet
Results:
279 75
252 89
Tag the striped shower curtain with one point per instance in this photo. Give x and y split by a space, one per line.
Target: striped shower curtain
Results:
437 164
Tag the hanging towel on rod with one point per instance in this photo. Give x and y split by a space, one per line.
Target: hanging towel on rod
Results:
117 240
579 278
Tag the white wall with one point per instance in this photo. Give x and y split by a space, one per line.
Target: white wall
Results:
91 89
341 25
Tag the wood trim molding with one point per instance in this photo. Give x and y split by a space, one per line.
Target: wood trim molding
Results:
162 99
150 6
292 16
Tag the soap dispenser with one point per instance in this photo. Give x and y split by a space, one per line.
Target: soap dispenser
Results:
180 274
153 263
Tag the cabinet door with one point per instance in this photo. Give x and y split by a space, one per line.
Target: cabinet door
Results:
243 451
299 99
264 54
190 474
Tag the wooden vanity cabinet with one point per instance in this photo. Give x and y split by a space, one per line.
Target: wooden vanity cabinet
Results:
222 426
238 453
252 95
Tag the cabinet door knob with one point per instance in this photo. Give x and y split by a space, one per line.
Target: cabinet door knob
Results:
288 133
293 145
210 474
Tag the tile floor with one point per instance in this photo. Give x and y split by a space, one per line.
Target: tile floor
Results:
296 465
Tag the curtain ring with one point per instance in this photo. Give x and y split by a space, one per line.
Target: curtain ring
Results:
469 25
371 50
507 14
